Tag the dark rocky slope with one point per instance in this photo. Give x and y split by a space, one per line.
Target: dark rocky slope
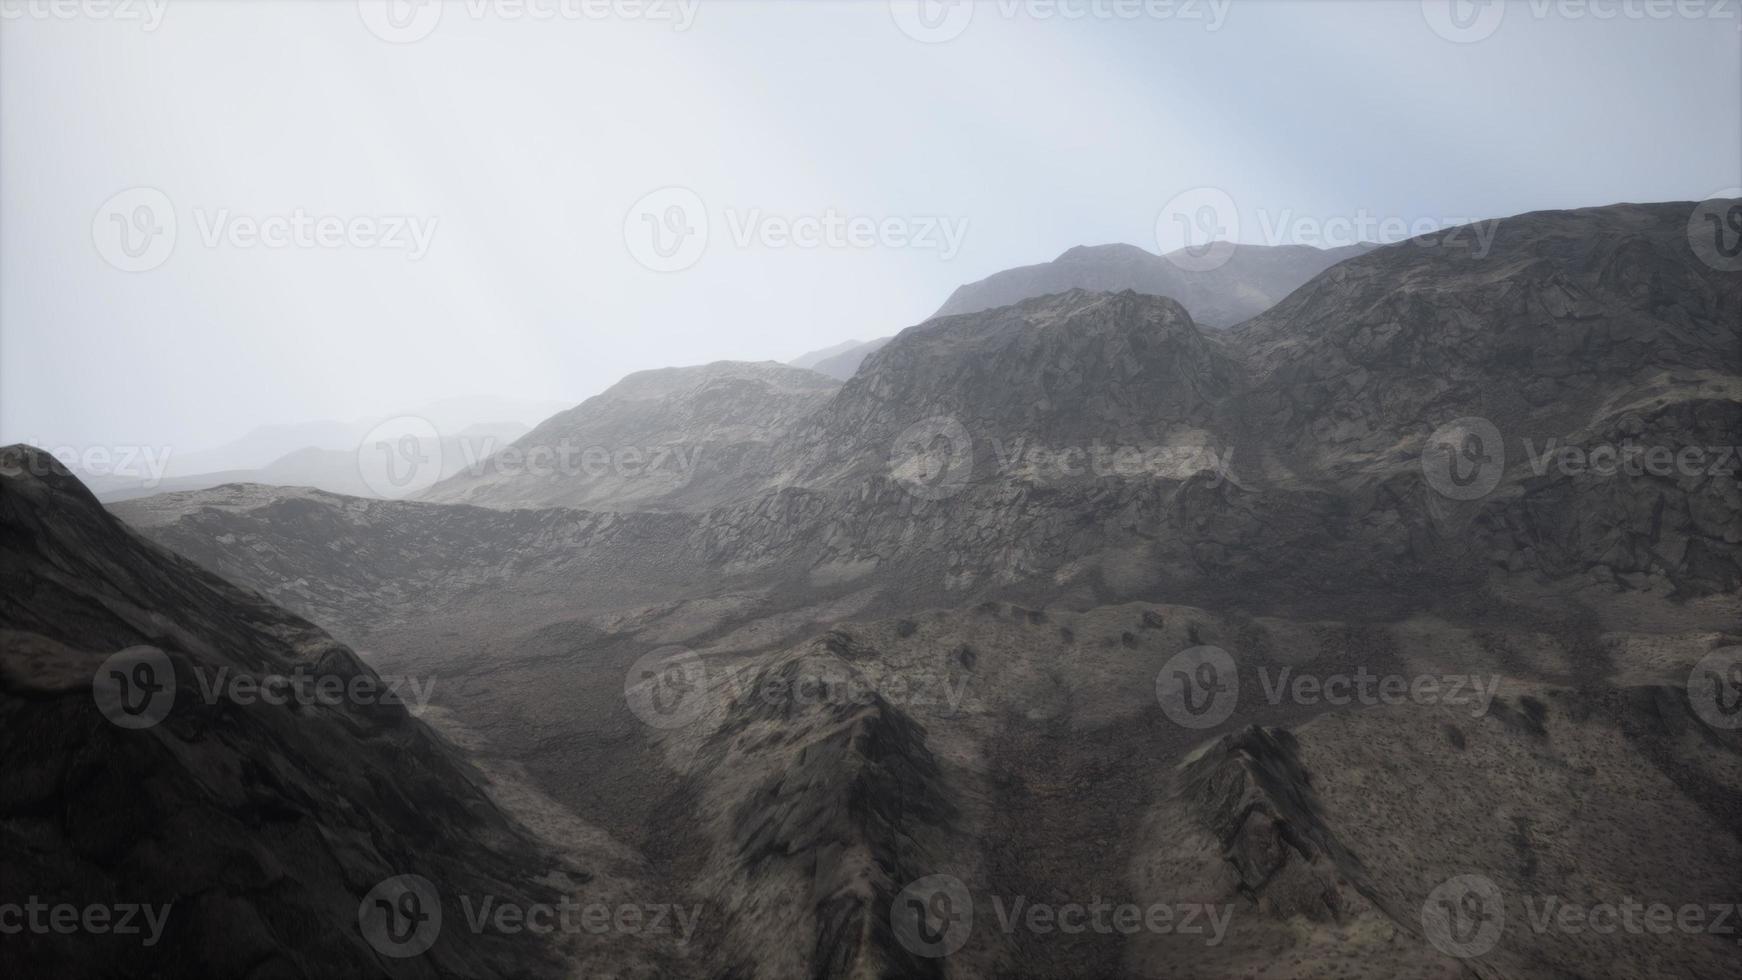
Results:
261 827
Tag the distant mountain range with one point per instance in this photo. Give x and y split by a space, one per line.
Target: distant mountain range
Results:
1255 448
327 454
937 622
1255 278
1251 280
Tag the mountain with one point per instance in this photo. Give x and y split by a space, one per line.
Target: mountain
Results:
812 358
354 470
845 364
178 743
1577 334
1103 447
668 439
1071 602
1254 278
1049 372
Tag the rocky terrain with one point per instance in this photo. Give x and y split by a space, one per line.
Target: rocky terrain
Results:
1253 279
180 745
1042 611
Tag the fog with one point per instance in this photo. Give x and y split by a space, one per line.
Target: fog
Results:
375 209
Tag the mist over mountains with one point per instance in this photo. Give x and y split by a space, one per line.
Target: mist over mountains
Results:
899 490
1276 515
781 658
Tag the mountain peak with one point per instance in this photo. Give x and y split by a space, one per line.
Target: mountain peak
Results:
1112 252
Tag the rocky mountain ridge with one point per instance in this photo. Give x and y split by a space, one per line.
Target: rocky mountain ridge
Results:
1251 280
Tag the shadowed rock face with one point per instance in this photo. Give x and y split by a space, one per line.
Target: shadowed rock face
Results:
259 827
1254 278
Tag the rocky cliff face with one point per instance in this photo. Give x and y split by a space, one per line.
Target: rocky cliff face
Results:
1567 312
177 743
1254 278
1593 352
1056 372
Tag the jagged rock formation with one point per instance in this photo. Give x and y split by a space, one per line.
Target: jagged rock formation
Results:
1254 279
670 439
1345 838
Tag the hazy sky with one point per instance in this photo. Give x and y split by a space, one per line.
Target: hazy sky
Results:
462 206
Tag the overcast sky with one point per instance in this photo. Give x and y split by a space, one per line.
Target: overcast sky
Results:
472 202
